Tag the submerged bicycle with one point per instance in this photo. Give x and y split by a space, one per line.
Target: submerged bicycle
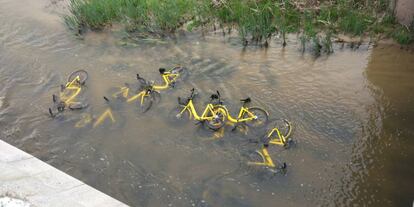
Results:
68 93
262 158
89 119
276 137
171 77
251 116
212 116
146 91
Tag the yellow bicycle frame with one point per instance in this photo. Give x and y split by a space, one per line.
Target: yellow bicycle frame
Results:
191 109
141 94
86 119
267 160
124 91
240 118
103 116
280 140
167 82
74 86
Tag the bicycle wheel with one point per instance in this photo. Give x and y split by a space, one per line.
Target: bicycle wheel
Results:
83 76
156 97
146 103
219 120
288 129
284 127
255 158
261 119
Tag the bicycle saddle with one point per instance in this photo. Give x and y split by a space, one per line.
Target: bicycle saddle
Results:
162 70
246 100
214 96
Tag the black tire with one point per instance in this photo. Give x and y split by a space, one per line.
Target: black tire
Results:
153 98
262 117
289 127
255 157
146 105
83 75
156 97
220 120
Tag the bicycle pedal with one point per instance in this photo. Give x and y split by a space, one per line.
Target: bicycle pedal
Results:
234 128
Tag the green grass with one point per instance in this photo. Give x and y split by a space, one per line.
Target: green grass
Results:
403 35
256 21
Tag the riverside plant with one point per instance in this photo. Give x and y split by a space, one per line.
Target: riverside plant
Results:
257 21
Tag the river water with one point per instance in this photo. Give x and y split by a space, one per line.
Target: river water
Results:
352 112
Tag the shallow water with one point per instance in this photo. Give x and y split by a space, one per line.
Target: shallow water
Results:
352 113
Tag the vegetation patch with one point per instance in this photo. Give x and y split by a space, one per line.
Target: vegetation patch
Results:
256 21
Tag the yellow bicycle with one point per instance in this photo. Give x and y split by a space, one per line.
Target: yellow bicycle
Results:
171 77
276 137
69 92
262 158
145 92
251 116
211 116
88 118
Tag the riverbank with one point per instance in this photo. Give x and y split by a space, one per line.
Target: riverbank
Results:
256 22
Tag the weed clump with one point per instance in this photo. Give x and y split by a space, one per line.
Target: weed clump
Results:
255 21
403 35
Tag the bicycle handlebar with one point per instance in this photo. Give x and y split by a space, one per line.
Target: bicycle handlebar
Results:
216 96
146 84
188 98
192 94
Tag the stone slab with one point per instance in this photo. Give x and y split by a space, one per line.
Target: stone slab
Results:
25 177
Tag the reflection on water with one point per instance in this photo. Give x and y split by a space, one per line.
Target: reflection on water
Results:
351 112
380 166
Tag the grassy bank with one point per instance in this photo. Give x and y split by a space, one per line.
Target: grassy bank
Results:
256 21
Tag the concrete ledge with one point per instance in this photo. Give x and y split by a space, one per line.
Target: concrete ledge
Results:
30 179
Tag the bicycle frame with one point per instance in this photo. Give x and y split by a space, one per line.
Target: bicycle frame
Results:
86 119
73 85
240 118
103 116
190 107
124 91
267 160
141 94
280 140
167 82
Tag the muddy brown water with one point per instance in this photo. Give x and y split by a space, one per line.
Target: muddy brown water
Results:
353 115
